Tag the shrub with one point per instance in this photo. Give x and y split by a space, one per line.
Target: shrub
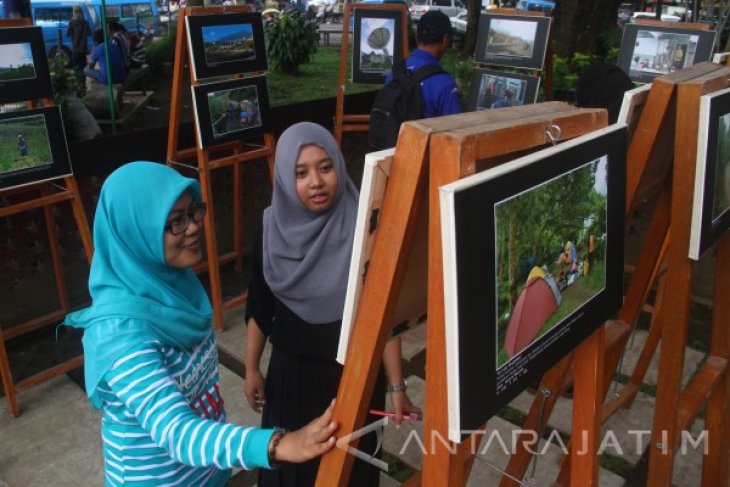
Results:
291 40
161 50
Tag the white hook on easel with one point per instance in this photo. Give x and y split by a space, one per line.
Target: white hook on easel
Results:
554 139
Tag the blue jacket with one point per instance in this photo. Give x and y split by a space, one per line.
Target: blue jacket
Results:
439 92
118 68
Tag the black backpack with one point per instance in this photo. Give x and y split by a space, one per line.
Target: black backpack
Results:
397 102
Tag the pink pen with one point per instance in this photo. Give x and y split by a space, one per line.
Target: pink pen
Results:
412 417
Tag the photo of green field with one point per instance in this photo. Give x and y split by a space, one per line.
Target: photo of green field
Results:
551 250
233 110
24 144
16 62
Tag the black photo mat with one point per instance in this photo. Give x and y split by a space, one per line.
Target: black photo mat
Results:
649 51
32 147
710 211
482 378
230 110
225 44
377 44
517 41
24 73
498 89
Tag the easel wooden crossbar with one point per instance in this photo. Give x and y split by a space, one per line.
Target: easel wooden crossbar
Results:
205 160
430 153
350 122
42 195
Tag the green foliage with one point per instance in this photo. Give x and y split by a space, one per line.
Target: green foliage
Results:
64 80
567 71
161 50
291 40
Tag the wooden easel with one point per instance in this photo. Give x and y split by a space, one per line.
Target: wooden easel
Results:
649 163
430 153
208 159
42 195
548 51
360 123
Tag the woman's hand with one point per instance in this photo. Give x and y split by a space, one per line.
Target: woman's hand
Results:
402 405
254 388
308 442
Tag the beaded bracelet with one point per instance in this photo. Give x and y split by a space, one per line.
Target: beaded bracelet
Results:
402 387
273 443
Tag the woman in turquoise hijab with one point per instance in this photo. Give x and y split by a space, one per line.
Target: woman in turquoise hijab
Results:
151 361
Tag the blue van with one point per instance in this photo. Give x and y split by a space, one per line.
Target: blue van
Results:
53 16
535 5
137 16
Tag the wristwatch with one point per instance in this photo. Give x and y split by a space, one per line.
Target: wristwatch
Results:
402 387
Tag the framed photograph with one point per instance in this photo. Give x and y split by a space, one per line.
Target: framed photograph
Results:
517 41
497 89
230 110
377 44
412 300
710 215
24 71
533 264
649 51
32 147
224 44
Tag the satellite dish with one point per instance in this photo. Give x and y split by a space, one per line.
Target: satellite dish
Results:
379 38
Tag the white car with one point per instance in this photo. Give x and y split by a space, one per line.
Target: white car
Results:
458 23
449 7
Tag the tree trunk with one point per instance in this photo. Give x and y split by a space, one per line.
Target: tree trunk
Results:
579 24
474 9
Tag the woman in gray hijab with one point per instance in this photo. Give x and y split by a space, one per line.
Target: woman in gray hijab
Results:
296 297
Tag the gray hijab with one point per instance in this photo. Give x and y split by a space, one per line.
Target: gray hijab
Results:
307 254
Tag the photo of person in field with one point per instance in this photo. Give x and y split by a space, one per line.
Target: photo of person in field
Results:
228 43
16 62
551 249
233 110
24 144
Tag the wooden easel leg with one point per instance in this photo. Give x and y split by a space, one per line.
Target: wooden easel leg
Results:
55 257
80 215
270 142
237 216
7 377
715 469
216 293
544 402
587 400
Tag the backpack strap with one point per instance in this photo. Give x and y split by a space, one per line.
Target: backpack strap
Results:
425 71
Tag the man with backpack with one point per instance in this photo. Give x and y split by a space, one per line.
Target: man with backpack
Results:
417 88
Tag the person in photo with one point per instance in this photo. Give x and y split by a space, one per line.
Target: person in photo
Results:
150 354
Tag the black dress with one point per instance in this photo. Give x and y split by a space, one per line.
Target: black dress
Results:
302 378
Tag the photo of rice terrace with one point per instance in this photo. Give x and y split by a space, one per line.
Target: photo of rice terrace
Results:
514 38
24 144
232 110
551 249
228 43
377 35
16 62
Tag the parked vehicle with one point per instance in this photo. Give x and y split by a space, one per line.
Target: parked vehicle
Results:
652 16
450 7
137 16
53 17
535 5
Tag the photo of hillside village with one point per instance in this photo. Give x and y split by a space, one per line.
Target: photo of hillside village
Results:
513 38
228 43
16 62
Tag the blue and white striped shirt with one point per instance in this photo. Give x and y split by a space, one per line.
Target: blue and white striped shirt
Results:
163 421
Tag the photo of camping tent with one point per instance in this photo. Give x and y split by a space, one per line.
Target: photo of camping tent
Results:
550 243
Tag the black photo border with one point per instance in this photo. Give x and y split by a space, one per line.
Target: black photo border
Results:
469 256
533 85
542 34
60 166
358 75
202 110
705 230
201 70
30 88
631 31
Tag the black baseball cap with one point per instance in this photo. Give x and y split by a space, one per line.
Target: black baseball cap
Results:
432 27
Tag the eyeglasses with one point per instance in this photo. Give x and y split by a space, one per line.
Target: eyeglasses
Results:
178 225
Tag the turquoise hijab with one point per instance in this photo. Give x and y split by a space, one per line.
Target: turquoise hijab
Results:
136 296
